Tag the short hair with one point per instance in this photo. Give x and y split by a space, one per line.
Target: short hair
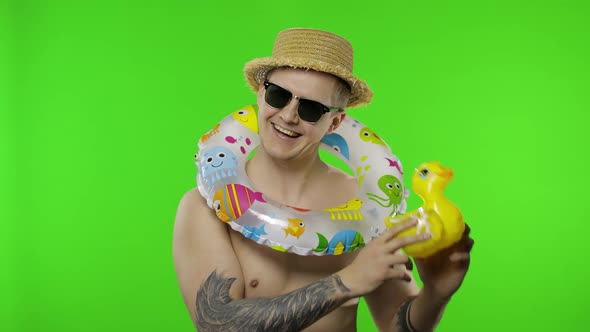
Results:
342 93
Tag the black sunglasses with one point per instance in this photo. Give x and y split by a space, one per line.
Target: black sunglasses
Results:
308 110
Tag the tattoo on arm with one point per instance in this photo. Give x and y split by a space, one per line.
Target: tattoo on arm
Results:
217 311
403 317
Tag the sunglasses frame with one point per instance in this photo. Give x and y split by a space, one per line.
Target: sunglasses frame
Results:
325 109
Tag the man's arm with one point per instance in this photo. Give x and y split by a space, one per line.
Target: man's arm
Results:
217 311
212 284
400 306
201 245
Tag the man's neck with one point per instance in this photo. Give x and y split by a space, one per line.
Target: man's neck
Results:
289 182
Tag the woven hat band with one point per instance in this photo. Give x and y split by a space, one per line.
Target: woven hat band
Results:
309 44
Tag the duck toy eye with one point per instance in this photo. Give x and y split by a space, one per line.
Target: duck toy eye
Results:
424 173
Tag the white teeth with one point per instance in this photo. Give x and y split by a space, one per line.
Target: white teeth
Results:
286 132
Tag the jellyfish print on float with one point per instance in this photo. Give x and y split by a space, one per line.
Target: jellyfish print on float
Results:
218 163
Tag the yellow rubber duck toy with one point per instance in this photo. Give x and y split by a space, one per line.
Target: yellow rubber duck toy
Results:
437 215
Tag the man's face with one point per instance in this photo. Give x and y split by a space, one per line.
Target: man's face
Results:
283 134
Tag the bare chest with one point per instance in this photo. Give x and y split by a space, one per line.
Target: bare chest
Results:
268 272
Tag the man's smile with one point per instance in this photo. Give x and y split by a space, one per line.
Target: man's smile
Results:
286 131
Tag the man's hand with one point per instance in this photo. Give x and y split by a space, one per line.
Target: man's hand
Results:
443 273
380 260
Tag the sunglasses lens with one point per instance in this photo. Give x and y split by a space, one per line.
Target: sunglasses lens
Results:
276 96
310 111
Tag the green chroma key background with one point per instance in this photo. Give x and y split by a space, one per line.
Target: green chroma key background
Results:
102 104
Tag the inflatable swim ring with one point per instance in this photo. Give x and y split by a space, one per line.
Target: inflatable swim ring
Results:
222 181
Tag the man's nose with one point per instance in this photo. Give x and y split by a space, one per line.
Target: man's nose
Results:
289 112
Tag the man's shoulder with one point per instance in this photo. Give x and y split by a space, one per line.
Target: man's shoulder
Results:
196 225
193 209
192 199
341 179
336 188
193 194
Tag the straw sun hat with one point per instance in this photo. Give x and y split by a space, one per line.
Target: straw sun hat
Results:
311 49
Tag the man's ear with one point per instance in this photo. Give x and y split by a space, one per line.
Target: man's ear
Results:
260 94
260 90
337 120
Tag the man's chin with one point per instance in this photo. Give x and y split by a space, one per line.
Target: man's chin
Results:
279 154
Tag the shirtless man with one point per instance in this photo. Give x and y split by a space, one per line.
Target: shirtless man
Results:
231 283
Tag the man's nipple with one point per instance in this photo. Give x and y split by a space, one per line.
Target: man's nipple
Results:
254 283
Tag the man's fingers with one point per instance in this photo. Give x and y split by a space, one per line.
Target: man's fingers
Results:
459 256
401 274
467 230
409 265
398 259
403 241
406 222
460 259
469 244
403 259
407 277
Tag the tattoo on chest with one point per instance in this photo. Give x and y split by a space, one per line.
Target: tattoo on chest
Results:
217 311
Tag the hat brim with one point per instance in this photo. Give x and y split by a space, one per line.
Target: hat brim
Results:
255 72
